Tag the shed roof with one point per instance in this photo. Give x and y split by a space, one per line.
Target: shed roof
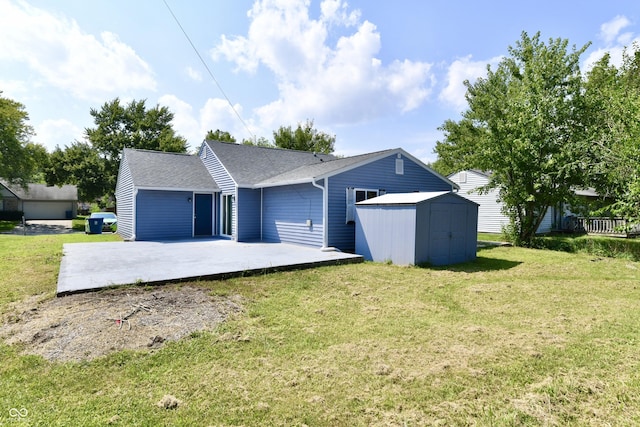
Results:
43 192
164 170
409 198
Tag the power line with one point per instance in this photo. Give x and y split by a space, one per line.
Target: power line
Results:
208 70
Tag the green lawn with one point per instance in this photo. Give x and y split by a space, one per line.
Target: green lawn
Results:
519 337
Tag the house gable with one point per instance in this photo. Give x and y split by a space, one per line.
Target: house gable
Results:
156 194
379 174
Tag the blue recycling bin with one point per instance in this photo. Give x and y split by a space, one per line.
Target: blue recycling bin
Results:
93 226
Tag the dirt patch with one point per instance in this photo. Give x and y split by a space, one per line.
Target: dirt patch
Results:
90 325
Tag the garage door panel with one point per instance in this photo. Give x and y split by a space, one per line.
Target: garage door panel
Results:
46 210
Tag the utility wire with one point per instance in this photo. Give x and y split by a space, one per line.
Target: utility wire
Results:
208 70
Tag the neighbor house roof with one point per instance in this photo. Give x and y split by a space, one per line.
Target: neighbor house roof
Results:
255 166
249 165
43 192
168 171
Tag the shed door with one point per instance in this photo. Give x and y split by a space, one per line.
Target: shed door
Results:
203 215
447 225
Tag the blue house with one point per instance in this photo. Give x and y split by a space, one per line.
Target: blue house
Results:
274 195
163 196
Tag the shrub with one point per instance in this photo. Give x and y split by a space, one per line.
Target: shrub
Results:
11 215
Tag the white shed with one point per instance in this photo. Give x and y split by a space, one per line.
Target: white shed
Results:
438 228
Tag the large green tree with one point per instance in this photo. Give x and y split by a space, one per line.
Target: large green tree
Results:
79 164
19 158
305 138
220 135
613 97
524 123
117 126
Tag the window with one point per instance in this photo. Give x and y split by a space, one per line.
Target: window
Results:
355 195
462 177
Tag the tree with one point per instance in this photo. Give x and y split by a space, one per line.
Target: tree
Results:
524 123
304 138
219 135
613 98
116 127
258 141
16 163
79 164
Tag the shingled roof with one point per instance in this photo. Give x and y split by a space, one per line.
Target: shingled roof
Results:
171 171
320 170
255 166
250 164
42 192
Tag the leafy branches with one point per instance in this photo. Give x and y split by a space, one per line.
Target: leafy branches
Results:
523 124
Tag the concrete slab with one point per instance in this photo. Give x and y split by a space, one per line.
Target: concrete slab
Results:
90 266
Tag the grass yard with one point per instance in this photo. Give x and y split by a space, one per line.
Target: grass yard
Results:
519 337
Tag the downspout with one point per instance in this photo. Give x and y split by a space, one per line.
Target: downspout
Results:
261 211
325 214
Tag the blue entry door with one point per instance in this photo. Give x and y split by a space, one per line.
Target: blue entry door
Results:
203 215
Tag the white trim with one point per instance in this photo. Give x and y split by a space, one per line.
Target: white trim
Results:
325 211
134 206
186 189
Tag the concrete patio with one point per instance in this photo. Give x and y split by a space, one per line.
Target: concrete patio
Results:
91 266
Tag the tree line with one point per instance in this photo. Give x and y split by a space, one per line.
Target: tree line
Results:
92 164
541 127
544 130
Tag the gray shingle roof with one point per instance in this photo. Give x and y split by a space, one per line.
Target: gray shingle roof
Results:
327 168
250 165
162 170
43 192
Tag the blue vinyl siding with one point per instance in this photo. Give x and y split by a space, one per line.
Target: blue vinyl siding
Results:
248 227
286 211
164 215
124 201
380 175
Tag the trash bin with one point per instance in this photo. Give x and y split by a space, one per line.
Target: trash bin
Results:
93 226
68 214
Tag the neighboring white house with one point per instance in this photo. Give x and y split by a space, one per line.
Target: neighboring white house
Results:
490 216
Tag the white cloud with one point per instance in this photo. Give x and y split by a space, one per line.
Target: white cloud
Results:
338 11
12 88
609 30
615 42
341 83
62 54
194 74
215 114
460 70
59 132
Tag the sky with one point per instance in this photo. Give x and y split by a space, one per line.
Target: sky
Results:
376 74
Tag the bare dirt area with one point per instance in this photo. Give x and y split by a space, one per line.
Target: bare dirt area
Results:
86 326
